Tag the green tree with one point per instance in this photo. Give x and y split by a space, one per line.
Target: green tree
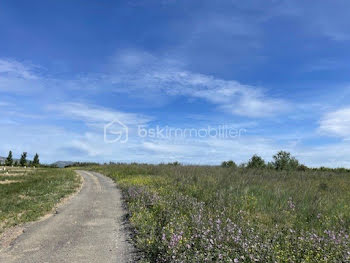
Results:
256 162
36 161
9 160
23 160
16 163
284 161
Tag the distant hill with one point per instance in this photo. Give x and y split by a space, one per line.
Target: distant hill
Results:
62 164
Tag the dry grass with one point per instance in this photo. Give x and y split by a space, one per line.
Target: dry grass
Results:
28 194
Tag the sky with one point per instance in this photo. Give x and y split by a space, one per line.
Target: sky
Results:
193 81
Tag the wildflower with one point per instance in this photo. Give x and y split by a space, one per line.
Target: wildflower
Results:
291 204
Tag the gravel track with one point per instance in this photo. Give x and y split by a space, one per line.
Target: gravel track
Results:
88 228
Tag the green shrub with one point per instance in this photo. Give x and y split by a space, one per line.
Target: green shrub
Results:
284 161
229 164
256 162
303 168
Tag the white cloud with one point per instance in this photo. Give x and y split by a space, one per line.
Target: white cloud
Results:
166 76
95 114
16 69
331 155
143 75
229 96
160 147
336 123
146 74
86 145
17 77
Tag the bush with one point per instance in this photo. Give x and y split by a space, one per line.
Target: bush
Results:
256 162
302 168
228 164
284 161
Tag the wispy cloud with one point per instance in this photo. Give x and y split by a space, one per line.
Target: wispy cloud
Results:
229 95
18 77
96 114
336 123
16 69
166 76
161 147
138 74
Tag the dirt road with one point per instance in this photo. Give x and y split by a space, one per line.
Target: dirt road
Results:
89 228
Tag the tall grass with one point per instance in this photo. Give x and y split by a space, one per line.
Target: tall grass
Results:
214 214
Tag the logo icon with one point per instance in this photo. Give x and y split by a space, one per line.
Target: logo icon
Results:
116 131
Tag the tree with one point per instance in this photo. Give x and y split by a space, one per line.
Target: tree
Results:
256 162
16 163
23 160
229 164
36 161
9 160
284 161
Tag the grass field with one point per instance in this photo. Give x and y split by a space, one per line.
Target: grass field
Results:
214 214
28 194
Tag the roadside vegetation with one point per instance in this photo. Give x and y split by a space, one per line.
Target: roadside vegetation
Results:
26 194
257 212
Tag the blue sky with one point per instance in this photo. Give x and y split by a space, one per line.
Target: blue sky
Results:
276 69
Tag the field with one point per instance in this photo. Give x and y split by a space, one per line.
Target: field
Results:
28 194
215 214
